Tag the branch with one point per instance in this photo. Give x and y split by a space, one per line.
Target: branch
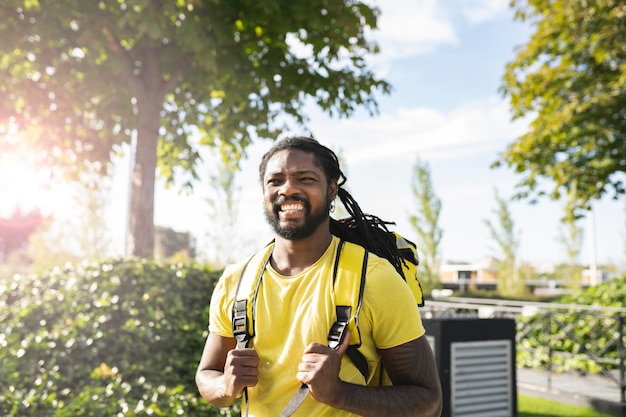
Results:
183 64
127 61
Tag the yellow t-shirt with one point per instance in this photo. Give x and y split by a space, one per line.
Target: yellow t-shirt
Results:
294 311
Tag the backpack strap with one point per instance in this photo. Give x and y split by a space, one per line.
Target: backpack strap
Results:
244 305
349 283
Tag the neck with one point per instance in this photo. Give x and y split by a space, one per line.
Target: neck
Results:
290 257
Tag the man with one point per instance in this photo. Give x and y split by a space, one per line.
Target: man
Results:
294 310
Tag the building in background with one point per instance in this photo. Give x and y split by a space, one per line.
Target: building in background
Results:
464 276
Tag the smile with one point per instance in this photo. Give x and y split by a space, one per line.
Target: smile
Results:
292 207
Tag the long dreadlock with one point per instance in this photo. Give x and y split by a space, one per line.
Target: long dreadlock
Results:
366 230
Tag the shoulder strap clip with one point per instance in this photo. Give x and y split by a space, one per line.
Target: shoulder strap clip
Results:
339 328
240 323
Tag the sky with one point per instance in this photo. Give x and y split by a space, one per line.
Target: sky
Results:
444 60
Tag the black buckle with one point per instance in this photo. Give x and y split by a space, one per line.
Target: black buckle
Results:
338 331
240 324
336 335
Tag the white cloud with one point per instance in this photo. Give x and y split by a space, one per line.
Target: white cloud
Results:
470 129
412 27
481 11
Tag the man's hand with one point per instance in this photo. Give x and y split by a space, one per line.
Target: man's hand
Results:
319 369
240 370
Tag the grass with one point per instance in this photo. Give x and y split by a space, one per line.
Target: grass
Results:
528 406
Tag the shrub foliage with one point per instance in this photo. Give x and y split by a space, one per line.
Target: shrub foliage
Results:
574 339
121 338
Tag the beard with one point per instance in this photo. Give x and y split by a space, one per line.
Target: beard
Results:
312 220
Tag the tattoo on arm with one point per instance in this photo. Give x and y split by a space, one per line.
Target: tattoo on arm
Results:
416 390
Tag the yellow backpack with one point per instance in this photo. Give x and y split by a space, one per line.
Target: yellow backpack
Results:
351 260
410 261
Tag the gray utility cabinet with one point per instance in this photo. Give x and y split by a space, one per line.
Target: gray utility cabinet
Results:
476 361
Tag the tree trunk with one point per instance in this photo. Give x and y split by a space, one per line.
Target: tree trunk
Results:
149 89
140 232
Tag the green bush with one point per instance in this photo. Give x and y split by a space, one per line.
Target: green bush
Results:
572 335
122 338
611 293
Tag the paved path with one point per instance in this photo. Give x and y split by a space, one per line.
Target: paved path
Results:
589 390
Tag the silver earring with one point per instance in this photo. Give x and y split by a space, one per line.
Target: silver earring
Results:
332 207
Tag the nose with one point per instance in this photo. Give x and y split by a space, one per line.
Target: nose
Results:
288 188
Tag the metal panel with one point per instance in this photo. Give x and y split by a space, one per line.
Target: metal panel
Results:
481 382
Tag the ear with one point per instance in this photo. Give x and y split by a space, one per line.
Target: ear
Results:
332 190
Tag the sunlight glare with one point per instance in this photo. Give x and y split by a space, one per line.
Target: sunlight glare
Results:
24 186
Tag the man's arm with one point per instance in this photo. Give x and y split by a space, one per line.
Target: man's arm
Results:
416 389
224 371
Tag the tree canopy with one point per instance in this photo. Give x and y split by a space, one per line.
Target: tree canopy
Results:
425 222
570 79
79 78
507 242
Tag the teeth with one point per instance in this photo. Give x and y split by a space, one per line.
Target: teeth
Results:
291 207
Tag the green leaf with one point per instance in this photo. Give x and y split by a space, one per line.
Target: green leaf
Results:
570 80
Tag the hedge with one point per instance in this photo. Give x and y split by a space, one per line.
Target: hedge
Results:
120 338
575 336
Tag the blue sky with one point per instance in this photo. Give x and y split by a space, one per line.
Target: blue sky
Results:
445 60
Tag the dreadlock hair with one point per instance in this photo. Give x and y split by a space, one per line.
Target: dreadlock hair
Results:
363 229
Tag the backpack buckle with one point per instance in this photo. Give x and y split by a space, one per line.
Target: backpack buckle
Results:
338 330
240 324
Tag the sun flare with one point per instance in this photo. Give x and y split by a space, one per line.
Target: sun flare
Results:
24 186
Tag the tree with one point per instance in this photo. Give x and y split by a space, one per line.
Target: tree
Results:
571 78
52 245
507 243
92 195
571 237
173 246
223 202
80 77
81 234
426 225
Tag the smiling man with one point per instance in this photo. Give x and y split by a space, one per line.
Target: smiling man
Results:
290 213
280 358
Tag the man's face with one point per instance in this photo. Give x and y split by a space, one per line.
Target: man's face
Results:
296 194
